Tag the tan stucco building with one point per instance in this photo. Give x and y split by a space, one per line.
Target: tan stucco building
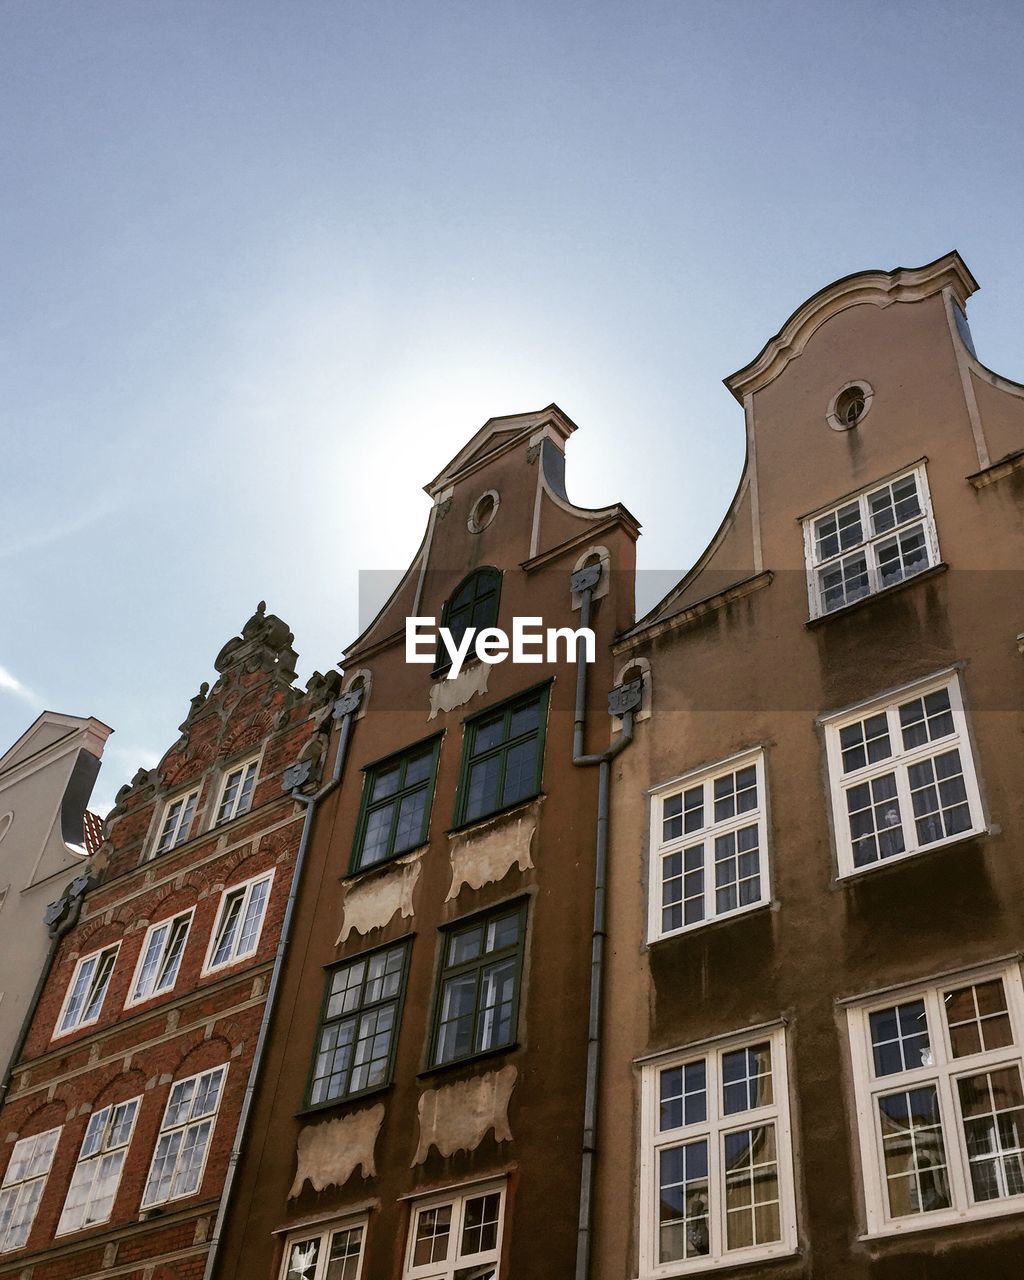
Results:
46 779
815 1017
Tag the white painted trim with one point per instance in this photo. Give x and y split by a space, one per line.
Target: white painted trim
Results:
130 1001
660 849
898 763
870 541
211 946
98 1157
58 1032
213 1117
963 369
445 1269
224 774
941 1073
324 1230
713 1129
751 470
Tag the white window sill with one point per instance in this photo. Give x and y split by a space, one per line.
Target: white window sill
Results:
930 572
945 1218
961 837
723 919
727 1262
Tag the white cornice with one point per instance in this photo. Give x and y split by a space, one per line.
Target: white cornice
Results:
878 288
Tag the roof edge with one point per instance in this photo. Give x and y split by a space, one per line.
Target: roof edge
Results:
880 288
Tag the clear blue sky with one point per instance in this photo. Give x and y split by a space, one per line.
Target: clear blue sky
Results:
265 266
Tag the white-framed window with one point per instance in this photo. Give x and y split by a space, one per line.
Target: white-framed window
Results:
160 958
940 1100
184 1140
329 1251
239 922
871 540
452 1236
709 842
97 1174
716 1162
86 990
902 774
236 790
177 821
22 1187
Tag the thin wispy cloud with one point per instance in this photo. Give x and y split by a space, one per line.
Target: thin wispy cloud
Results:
15 544
11 684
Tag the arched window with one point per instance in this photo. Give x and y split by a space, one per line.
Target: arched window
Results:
473 603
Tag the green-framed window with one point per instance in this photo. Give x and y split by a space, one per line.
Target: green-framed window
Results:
476 1009
502 756
395 810
358 1032
473 603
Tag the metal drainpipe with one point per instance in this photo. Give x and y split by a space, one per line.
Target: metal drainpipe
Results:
622 701
58 924
344 709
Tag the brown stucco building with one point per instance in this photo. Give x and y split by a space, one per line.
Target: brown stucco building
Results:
421 1108
815 1019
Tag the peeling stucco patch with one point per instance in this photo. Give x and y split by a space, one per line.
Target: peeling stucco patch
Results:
458 1116
370 904
483 858
328 1153
446 695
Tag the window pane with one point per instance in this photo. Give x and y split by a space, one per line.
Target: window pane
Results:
488 733
411 814
671 818
925 719
253 922
503 932
844 582
482 792
865 742
433 1228
303 1256
992 1107
913 1152
419 767
494 1025
751 1188
480 1226
524 719
746 1078
939 794
520 771
343 1261
684 1096
377 835
229 925
978 1018
899 1038
683 1201
876 829
455 1030
737 870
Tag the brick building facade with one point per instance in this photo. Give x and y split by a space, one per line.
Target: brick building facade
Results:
123 1108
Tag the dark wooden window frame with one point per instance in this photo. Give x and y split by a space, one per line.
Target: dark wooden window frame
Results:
442 660
445 971
367 806
540 693
323 1021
